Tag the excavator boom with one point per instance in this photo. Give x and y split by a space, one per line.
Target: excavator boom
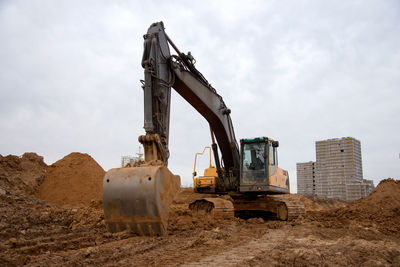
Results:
137 198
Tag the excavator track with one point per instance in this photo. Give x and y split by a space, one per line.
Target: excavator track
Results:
218 207
281 206
287 209
284 208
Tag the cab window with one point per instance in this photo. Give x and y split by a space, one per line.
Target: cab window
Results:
253 157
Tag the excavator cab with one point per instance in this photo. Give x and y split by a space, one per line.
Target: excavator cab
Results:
259 171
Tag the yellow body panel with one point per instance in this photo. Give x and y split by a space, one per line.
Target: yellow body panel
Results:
212 171
208 180
279 178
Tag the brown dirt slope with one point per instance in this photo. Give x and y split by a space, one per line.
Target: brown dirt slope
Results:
381 209
381 206
324 203
74 180
22 174
315 203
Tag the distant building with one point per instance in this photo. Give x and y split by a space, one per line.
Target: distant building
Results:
355 191
128 161
338 164
306 178
337 171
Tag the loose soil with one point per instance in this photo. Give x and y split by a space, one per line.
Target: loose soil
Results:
70 230
75 180
22 174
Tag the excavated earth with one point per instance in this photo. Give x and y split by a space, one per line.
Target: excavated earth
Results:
52 215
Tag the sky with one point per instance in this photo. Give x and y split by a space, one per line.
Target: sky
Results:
296 71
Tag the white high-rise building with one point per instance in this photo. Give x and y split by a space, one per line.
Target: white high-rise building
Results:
337 170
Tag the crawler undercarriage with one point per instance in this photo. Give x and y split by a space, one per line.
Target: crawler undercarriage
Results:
280 207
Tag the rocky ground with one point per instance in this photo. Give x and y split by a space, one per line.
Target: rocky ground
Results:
45 219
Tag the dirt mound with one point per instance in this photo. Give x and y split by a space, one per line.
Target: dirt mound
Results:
22 174
324 203
309 205
72 181
381 206
380 209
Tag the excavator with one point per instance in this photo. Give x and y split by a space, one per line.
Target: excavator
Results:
137 198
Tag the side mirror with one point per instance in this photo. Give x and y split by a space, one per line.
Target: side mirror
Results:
195 174
275 143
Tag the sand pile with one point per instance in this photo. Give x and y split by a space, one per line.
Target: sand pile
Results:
72 181
381 206
324 203
309 205
381 209
22 174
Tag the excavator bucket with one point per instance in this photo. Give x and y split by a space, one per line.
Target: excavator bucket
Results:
137 199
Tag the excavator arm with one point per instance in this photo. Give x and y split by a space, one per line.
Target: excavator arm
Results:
163 71
137 198
158 79
212 107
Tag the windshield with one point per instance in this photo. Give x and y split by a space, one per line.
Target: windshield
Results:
253 157
253 162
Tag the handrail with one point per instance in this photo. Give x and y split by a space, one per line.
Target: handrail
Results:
195 161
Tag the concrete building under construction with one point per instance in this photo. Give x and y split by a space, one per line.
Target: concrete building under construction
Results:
337 171
306 178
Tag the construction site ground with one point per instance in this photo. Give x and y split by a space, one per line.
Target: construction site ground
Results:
53 215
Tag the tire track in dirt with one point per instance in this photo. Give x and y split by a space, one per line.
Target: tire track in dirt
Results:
243 253
302 245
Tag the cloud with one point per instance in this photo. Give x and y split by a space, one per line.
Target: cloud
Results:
295 71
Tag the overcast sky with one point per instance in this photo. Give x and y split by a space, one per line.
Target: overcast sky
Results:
296 71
